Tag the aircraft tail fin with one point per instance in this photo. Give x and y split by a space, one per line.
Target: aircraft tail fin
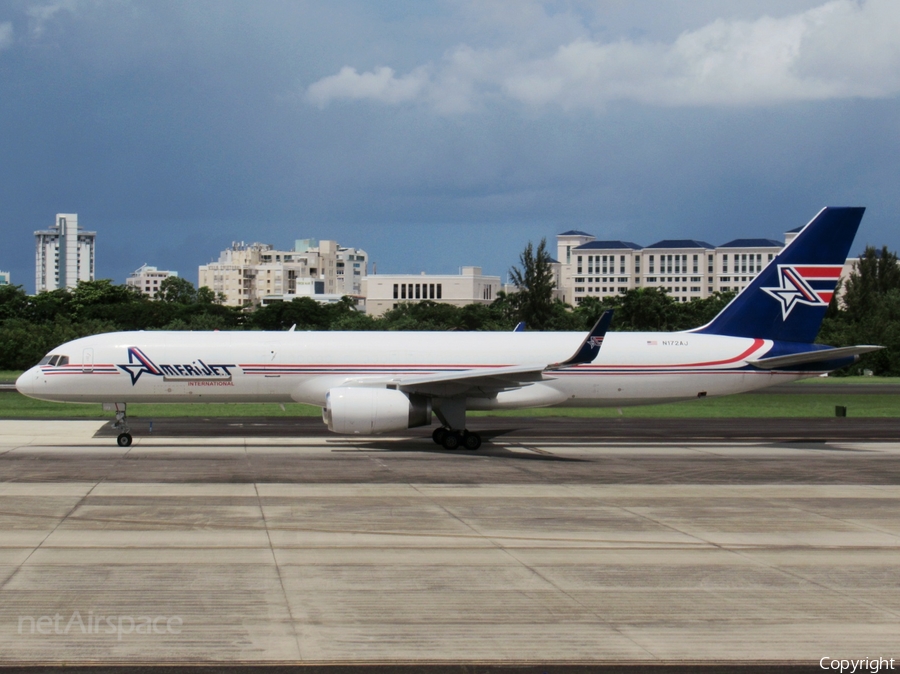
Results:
788 299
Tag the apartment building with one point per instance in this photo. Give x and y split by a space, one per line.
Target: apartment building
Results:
680 266
600 268
64 254
686 268
738 262
257 273
146 279
385 291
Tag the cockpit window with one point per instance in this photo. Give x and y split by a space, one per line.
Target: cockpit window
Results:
54 360
63 360
46 360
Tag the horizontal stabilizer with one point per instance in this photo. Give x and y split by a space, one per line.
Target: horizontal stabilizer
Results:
809 357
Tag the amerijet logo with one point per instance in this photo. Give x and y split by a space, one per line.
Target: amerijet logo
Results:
596 341
139 363
811 284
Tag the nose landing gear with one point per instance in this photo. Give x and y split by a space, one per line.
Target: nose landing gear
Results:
121 425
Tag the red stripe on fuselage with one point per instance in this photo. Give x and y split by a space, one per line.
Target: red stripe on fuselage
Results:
368 369
757 343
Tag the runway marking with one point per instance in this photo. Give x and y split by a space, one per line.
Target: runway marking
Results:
64 518
532 449
12 449
284 593
741 551
493 540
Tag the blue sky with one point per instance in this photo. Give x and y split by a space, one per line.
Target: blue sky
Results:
437 135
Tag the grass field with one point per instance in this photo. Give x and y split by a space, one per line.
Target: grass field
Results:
755 405
16 406
840 381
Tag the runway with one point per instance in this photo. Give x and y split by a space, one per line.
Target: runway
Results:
505 430
556 553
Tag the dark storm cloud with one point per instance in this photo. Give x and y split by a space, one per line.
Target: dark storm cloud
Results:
174 128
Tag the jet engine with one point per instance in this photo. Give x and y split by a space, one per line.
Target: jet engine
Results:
369 411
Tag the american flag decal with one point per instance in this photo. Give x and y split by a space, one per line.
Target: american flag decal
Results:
812 285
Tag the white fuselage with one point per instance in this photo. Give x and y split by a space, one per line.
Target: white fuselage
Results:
177 367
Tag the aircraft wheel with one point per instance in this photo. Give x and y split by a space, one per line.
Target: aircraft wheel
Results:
124 440
439 434
451 440
472 441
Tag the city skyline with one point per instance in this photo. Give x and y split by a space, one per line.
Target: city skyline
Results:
551 241
442 135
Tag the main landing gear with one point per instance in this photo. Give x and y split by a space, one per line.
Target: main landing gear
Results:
452 433
456 439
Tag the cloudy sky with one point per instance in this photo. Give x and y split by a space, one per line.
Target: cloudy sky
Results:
440 134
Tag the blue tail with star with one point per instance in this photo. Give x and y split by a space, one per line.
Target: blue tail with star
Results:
787 300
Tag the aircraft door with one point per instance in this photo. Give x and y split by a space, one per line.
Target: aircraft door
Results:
87 361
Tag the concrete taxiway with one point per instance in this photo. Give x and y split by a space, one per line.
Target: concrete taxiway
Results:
256 548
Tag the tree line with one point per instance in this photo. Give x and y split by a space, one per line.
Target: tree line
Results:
30 326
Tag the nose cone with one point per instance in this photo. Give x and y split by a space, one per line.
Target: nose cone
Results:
25 383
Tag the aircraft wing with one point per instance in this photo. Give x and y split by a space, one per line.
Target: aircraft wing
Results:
810 357
490 380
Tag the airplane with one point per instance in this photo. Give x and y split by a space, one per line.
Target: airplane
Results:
368 383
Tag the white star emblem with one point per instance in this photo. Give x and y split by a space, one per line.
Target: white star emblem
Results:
793 290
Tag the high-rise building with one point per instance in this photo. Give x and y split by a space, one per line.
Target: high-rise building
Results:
4 278
146 279
64 255
250 274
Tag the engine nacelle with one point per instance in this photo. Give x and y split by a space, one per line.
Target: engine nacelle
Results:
369 411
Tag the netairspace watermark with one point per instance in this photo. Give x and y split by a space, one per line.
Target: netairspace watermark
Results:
873 666
100 624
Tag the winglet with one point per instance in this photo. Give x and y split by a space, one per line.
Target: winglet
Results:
590 347
520 327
